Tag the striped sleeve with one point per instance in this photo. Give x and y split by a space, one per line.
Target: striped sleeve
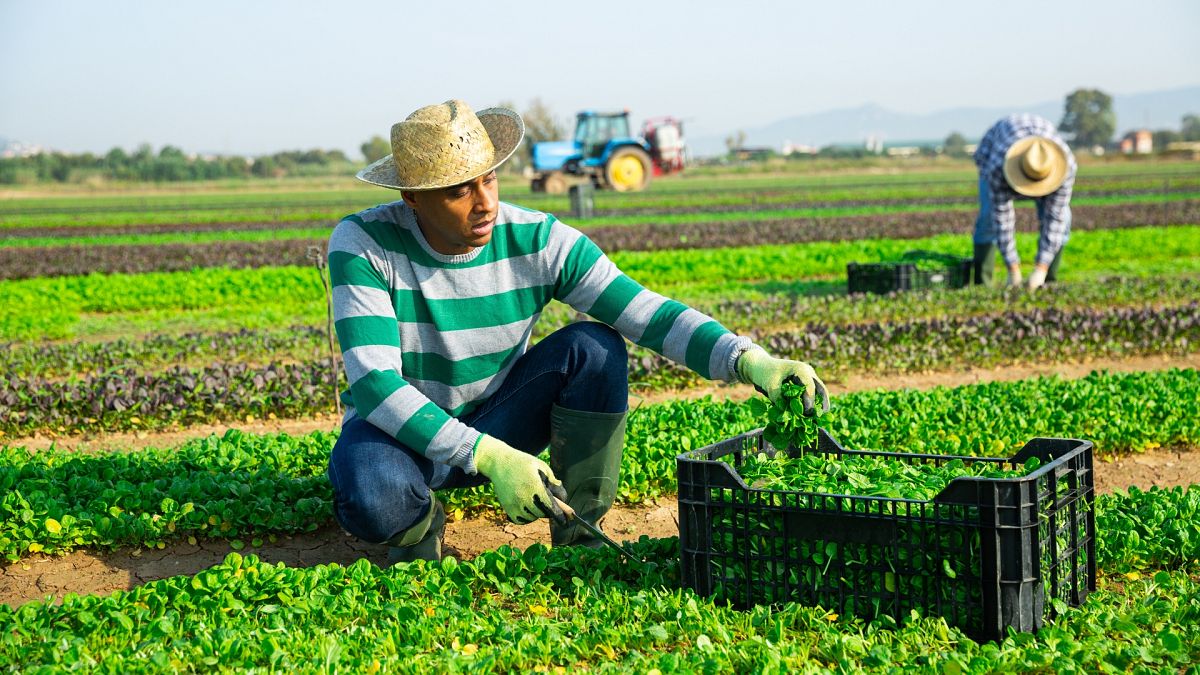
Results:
367 330
591 283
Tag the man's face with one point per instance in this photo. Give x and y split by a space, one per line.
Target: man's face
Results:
457 219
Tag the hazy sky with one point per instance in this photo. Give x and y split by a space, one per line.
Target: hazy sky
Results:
259 76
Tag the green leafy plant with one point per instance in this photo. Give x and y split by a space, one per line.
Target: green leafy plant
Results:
36 485
787 426
560 610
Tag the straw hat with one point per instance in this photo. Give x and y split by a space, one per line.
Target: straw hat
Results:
1035 166
446 144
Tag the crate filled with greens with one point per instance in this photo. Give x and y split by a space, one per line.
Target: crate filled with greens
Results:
987 543
914 270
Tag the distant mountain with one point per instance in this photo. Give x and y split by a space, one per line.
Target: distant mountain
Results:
1153 110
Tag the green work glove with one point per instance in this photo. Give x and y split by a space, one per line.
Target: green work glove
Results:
524 484
767 374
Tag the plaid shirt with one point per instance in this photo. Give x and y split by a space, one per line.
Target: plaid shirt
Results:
1056 209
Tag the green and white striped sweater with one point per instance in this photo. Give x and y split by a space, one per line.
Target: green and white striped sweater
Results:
427 337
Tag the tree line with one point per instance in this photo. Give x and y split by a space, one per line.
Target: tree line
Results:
168 164
1088 121
172 164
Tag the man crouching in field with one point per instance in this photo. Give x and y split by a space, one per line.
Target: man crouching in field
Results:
435 297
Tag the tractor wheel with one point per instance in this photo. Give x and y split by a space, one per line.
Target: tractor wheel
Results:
555 184
628 170
537 185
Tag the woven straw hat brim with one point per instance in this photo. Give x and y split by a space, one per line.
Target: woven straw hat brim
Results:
504 127
1023 184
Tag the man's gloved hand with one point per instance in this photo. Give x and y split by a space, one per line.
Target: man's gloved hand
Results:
524 484
1014 275
1037 278
767 374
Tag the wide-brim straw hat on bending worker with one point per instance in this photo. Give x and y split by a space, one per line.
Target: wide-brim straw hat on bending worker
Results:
447 144
1035 166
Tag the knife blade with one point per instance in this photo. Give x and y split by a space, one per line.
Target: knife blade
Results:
597 532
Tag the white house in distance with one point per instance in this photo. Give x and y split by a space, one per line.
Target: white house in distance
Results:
1140 142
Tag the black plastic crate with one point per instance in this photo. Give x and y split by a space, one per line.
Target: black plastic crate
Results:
915 270
987 554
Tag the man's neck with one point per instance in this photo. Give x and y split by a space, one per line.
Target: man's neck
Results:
425 236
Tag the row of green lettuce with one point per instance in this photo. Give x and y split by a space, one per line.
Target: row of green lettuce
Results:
740 312
63 307
241 486
558 611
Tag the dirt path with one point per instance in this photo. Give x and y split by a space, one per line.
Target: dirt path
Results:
87 572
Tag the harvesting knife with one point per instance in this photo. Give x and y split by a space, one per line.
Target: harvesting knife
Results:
597 532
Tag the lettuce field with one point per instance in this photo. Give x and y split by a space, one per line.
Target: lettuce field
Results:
167 388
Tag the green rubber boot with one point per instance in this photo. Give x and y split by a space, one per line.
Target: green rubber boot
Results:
585 454
985 263
422 541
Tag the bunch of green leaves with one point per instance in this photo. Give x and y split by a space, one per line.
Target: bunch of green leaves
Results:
866 475
787 424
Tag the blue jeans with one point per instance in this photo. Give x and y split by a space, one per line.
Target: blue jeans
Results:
985 231
381 487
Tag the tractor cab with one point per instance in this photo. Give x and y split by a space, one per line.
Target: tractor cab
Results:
594 131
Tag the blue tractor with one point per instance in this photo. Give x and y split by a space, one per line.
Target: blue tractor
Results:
608 155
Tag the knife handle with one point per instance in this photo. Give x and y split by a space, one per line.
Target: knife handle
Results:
566 508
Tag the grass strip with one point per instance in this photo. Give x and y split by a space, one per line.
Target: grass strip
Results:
672 191
297 292
668 214
758 313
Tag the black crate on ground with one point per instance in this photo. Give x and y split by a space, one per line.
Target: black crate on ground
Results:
986 554
915 270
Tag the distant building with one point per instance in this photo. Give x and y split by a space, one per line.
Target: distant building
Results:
1140 142
1184 148
903 151
790 148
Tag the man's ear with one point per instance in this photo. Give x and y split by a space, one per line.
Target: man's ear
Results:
409 198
